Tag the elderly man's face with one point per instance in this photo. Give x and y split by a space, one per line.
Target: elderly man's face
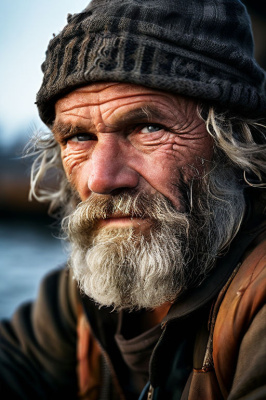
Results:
116 136
140 162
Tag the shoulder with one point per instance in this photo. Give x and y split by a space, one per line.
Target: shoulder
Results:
239 316
246 293
58 296
38 346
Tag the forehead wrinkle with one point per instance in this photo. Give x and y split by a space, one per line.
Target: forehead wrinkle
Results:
117 118
94 100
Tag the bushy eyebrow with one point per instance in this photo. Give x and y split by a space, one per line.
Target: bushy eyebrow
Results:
61 130
143 114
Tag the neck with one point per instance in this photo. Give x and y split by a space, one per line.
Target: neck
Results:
151 318
134 324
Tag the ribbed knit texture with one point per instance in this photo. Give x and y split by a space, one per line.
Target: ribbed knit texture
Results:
199 48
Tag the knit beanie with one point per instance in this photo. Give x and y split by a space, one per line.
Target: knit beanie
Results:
198 48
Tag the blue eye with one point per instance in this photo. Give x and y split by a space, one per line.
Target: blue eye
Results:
151 128
82 137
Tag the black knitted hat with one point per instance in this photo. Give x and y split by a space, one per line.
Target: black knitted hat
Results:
199 48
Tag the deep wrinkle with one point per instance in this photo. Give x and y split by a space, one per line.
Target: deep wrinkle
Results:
118 151
139 116
134 120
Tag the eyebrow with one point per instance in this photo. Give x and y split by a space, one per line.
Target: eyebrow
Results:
61 130
146 113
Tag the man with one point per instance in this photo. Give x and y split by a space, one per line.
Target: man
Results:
157 112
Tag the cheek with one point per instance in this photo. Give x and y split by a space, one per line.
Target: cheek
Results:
183 161
193 157
194 146
183 153
160 174
72 162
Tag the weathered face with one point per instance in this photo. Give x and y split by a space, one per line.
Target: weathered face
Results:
136 157
117 136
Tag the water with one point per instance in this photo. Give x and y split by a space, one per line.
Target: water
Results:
28 250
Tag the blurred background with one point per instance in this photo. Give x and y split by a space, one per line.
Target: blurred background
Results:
29 246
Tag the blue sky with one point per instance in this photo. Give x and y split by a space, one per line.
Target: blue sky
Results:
26 26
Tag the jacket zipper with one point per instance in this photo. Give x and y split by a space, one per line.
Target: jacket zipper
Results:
150 393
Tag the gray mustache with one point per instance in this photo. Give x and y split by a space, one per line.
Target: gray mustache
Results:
136 205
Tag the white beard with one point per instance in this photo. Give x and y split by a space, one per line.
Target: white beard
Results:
130 269
125 269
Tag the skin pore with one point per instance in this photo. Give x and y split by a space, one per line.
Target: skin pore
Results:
116 136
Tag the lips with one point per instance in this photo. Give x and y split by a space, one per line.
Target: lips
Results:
122 220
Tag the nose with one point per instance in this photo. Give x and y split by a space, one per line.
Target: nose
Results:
110 168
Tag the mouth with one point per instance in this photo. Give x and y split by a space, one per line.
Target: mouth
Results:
123 221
